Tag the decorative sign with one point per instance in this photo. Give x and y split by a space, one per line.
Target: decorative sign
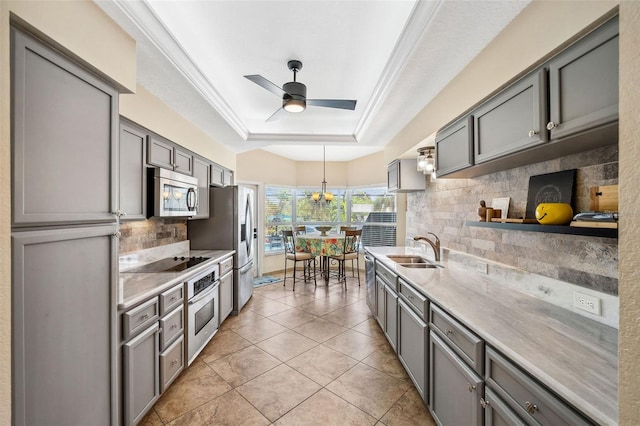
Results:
501 204
550 188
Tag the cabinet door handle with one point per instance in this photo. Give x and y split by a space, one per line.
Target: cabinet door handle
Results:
174 326
471 387
531 408
551 125
484 403
144 317
174 362
532 133
448 331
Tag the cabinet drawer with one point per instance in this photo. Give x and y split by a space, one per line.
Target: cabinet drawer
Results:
466 344
226 265
139 318
385 273
531 401
171 363
416 300
171 325
171 298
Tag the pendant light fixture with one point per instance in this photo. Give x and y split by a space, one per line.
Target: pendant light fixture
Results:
324 194
425 163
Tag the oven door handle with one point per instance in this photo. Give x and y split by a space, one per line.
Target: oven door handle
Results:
205 295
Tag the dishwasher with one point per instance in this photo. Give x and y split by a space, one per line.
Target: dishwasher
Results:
370 279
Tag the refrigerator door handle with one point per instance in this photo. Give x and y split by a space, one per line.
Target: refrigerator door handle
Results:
246 268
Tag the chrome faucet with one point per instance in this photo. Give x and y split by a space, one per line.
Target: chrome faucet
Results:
434 245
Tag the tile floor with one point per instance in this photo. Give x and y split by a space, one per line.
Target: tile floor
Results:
314 356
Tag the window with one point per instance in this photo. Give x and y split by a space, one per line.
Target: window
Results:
371 209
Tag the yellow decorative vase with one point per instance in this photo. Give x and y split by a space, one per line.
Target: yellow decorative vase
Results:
554 213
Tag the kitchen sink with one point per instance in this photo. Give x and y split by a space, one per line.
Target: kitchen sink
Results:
413 261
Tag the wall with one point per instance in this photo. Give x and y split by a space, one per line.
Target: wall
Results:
540 29
629 337
153 232
150 112
586 261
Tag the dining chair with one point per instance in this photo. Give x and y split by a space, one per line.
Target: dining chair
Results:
300 230
349 228
292 255
350 252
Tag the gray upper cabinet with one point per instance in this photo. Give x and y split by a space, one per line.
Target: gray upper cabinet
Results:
133 179
454 147
201 170
162 153
221 176
583 83
183 161
63 328
62 120
402 176
513 120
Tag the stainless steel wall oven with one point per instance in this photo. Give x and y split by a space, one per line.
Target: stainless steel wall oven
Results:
202 310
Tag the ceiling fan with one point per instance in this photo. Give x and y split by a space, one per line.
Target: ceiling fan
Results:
294 94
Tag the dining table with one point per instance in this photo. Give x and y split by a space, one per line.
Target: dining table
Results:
322 246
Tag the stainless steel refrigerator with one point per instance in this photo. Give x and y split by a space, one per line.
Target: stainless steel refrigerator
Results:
231 226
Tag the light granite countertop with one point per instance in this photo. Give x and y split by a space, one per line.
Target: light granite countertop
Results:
574 356
135 287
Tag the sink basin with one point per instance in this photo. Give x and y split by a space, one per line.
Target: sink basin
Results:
407 258
420 265
413 261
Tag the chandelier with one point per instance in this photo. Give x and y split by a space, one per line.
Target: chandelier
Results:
323 194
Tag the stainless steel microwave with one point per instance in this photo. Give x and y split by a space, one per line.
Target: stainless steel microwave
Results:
174 194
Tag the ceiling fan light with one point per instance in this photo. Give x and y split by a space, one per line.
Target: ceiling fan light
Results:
294 105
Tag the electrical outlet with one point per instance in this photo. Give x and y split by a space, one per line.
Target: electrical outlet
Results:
482 267
586 302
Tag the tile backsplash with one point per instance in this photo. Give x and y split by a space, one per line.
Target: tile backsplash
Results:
153 232
589 262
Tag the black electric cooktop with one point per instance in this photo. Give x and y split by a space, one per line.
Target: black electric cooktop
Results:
170 264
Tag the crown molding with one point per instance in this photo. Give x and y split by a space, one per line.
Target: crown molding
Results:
300 138
419 20
143 17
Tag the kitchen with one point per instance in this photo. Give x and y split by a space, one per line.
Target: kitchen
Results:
148 111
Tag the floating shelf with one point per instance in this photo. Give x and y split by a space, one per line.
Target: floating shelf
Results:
553 229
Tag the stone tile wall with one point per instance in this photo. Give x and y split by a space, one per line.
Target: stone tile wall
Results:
446 204
153 232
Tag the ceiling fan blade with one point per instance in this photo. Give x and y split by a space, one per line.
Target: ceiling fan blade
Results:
263 82
333 103
276 115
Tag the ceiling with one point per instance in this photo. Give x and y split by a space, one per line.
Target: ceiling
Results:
392 56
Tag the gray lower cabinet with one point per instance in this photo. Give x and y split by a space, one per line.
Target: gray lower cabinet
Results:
532 402
455 391
513 120
171 363
454 147
497 413
141 374
63 331
226 295
413 335
64 124
391 316
380 305
132 177
202 171
583 83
